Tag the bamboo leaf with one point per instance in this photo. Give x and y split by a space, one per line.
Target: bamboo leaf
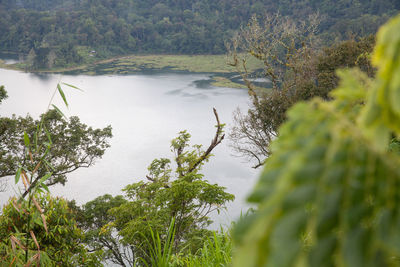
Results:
44 186
49 165
62 94
44 178
44 222
26 139
58 110
72 86
34 239
35 137
47 134
18 175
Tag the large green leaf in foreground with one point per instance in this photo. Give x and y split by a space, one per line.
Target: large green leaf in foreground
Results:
330 193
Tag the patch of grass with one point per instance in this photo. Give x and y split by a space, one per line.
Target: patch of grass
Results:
2 63
217 64
216 252
192 63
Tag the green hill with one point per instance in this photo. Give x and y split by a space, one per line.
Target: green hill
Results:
75 31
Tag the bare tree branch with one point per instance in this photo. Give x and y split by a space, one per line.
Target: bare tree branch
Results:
219 136
283 46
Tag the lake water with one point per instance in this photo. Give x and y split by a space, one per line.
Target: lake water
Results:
146 111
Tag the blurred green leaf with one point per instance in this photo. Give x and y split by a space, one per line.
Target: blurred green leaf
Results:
329 193
26 139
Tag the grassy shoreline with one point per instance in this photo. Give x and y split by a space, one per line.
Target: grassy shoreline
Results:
217 65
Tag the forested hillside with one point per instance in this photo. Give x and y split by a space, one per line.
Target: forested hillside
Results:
64 32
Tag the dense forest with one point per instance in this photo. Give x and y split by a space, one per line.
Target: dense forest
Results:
58 33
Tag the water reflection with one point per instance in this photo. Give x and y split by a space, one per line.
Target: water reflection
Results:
41 76
204 84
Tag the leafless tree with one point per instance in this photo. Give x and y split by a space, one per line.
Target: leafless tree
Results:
287 50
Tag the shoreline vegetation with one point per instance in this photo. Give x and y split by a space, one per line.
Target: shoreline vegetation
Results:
222 74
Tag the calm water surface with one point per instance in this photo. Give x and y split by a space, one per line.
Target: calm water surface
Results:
146 112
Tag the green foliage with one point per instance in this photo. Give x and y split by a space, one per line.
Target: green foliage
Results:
328 195
345 54
161 250
381 115
140 226
73 144
216 251
55 30
94 219
59 238
3 93
24 226
182 194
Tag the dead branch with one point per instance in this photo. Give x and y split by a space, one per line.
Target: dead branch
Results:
219 136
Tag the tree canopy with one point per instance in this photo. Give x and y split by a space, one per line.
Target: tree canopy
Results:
74 144
3 93
65 144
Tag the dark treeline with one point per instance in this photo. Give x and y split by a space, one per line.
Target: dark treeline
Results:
56 31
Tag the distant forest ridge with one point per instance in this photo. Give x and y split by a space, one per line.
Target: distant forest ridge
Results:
64 30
